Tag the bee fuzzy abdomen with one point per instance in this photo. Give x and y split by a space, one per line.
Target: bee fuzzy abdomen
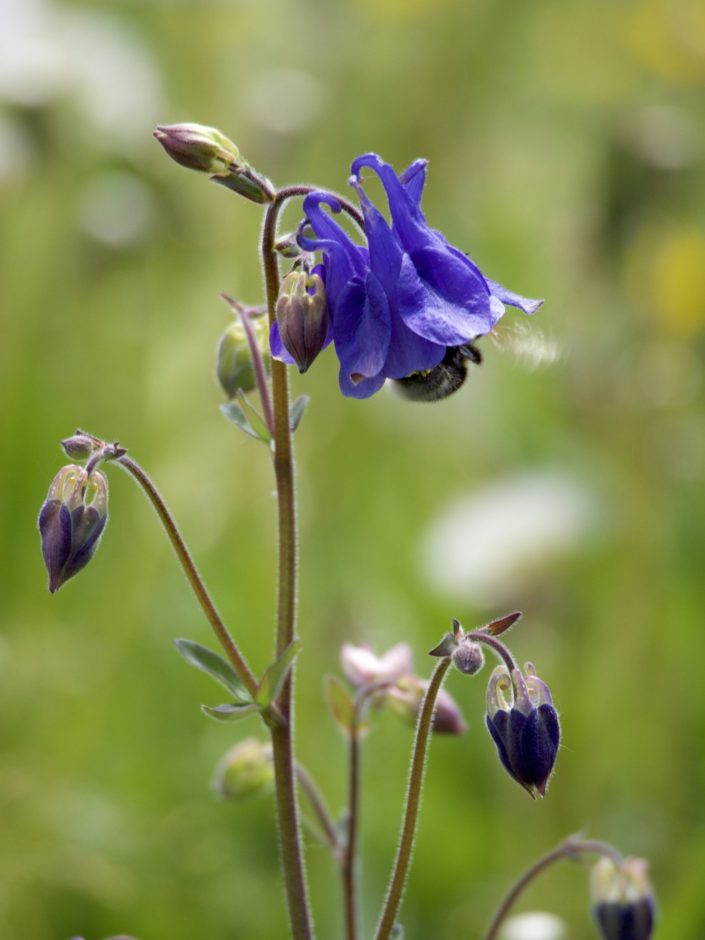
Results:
441 381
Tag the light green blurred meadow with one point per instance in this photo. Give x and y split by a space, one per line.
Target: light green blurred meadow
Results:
567 156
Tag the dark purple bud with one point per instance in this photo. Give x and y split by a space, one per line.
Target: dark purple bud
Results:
526 729
623 901
71 522
302 317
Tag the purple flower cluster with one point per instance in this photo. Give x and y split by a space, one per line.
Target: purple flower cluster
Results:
398 305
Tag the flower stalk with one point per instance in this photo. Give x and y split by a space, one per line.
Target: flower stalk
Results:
402 862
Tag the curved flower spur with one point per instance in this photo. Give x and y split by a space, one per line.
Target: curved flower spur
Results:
408 305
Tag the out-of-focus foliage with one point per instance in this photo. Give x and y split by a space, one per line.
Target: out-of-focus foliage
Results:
567 151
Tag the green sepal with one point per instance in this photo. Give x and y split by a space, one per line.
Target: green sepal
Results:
296 412
255 419
218 668
340 702
229 711
446 647
275 675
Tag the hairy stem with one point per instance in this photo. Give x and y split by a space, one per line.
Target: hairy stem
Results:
350 860
499 648
569 849
413 799
282 733
186 561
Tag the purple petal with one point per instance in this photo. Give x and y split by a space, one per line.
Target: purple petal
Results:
444 300
277 347
362 328
514 300
408 220
362 389
414 179
409 352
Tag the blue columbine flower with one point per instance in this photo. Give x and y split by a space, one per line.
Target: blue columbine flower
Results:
398 306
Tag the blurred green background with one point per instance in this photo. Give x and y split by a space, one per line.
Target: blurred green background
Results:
567 149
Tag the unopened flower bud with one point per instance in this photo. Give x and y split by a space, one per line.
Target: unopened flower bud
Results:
206 150
525 729
80 445
287 246
406 698
71 522
302 316
363 667
623 900
468 657
198 147
246 770
235 369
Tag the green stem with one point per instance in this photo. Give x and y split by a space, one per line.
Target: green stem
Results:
282 739
349 860
568 849
413 800
199 589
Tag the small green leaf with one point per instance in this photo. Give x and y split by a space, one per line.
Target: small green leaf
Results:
233 412
229 712
275 675
216 667
296 412
340 702
255 419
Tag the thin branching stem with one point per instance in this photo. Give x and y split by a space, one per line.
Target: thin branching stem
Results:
571 848
226 640
402 862
319 807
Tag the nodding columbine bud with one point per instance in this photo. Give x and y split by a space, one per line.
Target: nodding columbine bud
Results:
623 900
407 695
198 147
80 445
207 150
234 366
71 522
468 657
246 770
526 729
302 317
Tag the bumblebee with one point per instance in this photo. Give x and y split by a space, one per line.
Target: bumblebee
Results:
444 379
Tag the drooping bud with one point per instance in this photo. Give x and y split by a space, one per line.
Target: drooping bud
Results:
71 522
363 667
246 770
302 316
468 657
207 150
525 729
81 446
406 698
287 246
234 368
198 147
623 900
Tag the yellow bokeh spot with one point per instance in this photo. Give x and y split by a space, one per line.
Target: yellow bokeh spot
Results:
679 281
668 37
